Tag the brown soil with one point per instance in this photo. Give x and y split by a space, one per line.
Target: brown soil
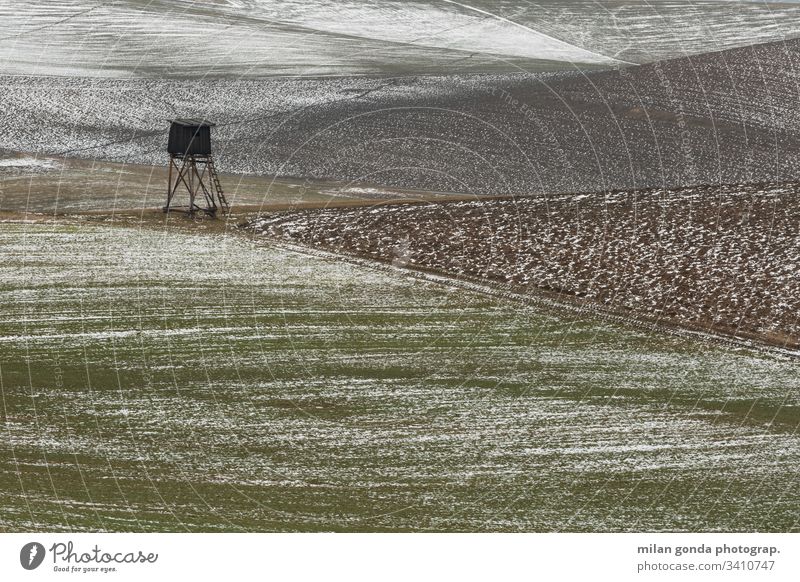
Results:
723 259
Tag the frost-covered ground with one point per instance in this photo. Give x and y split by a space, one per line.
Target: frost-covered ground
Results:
153 380
722 259
241 38
726 117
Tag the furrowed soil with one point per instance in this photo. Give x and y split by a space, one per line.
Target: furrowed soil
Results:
717 259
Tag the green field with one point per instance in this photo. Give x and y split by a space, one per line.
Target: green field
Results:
154 380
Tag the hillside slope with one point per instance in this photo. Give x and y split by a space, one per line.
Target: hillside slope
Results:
258 38
725 117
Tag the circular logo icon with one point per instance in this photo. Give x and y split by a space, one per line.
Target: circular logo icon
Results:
31 555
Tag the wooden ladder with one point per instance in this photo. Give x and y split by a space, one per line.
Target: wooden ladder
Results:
225 207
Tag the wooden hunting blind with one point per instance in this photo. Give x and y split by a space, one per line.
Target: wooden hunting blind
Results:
191 166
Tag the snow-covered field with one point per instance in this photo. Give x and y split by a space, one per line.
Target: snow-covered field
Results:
240 38
726 117
153 380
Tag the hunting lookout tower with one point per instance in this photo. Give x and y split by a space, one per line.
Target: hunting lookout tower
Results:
191 166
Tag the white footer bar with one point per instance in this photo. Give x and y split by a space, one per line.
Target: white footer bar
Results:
388 557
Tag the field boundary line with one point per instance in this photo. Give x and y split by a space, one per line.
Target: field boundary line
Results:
537 298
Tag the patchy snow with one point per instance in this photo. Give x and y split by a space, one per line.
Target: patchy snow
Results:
27 162
306 394
27 165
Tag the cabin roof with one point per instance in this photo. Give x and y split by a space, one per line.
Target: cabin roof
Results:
189 122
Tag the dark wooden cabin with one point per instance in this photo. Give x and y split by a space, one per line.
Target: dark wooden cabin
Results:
190 137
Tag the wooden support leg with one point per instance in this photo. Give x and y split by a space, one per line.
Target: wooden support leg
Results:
169 186
192 190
